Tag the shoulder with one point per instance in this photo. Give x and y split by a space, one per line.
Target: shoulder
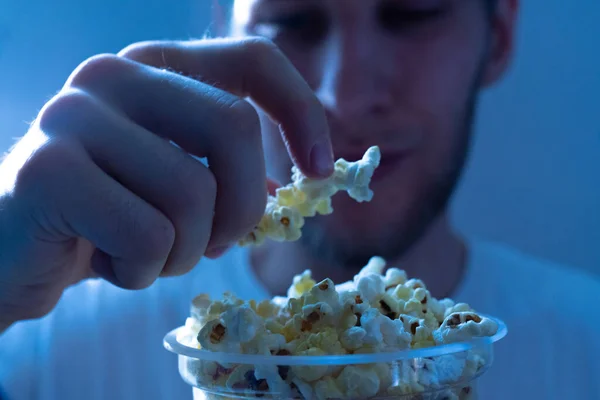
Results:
551 315
542 273
533 283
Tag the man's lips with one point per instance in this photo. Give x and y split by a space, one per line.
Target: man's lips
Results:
388 165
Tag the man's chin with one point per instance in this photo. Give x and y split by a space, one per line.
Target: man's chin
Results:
350 241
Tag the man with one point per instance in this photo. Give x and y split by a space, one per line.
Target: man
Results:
95 188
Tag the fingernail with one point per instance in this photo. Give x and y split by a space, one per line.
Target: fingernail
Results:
321 159
216 252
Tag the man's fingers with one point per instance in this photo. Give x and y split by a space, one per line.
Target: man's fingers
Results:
131 237
168 178
255 68
203 120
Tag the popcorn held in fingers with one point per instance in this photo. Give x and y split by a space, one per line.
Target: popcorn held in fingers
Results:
377 311
304 197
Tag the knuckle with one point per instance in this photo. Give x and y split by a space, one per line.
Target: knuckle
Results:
260 47
262 54
97 68
158 238
134 49
143 51
242 118
56 114
248 214
255 213
196 197
46 162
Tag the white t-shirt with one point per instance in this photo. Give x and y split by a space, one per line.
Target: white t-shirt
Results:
102 342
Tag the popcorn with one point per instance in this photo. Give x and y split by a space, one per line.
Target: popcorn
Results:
394 277
358 382
377 311
324 292
462 326
301 284
353 338
274 382
304 197
459 307
384 331
213 336
327 388
242 324
371 287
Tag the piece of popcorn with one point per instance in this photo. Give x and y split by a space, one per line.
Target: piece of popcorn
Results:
214 337
356 176
358 382
450 368
380 330
437 308
375 266
326 340
463 326
199 307
426 372
402 292
265 343
458 307
394 277
238 377
389 306
353 338
242 324
304 388
280 223
310 373
371 288
385 373
327 388
190 333
275 384
406 380
304 197
417 328
290 196
266 308
473 365
301 284
415 284
316 315
352 307
324 292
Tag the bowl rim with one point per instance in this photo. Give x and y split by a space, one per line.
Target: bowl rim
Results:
171 343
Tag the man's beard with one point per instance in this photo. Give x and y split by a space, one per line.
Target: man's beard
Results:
431 202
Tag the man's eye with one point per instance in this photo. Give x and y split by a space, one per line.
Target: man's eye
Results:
396 18
306 27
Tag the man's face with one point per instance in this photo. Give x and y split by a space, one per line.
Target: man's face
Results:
400 74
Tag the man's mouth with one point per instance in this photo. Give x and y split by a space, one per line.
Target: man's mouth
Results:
390 163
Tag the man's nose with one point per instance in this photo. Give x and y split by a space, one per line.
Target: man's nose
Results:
355 76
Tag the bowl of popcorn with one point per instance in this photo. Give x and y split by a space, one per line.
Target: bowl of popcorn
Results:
378 336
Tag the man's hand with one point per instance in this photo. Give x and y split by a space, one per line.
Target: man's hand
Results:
97 188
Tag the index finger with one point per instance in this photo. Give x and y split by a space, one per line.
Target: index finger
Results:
256 68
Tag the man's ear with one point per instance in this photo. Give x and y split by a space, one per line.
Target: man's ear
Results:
503 31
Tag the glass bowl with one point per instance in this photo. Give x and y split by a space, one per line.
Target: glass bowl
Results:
446 372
